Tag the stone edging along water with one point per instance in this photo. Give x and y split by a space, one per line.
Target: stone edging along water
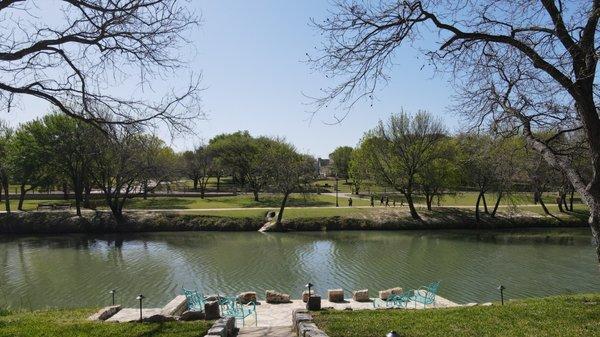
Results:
104 222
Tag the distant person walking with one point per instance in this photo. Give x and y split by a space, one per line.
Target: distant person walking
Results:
349 202
381 201
394 202
387 201
372 201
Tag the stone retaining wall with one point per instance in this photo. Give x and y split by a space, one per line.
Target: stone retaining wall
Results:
304 326
223 327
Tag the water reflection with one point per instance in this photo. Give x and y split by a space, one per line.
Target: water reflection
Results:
79 270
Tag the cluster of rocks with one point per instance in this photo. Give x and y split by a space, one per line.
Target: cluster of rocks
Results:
272 296
303 325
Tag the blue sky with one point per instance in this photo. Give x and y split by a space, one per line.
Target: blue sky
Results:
251 56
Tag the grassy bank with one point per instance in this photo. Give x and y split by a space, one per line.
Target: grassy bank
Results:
295 219
553 316
67 323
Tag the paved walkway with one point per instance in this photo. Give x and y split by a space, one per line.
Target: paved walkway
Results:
274 331
281 314
133 314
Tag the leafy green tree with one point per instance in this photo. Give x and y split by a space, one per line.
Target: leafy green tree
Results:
235 153
358 168
199 166
341 157
401 148
71 145
28 157
5 138
159 163
288 172
440 173
119 167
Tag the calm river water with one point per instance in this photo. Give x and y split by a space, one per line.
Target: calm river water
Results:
77 270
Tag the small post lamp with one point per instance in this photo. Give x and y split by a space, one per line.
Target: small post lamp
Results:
140 298
112 292
392 334
309 286
501 288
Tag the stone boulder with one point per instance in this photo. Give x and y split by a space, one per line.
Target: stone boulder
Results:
192 316
247 297
384 294
105 313
335 295
361 295
305 295
275 297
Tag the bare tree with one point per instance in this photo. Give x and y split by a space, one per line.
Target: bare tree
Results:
75 54
522 65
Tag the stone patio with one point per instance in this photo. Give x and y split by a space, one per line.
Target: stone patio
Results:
281 314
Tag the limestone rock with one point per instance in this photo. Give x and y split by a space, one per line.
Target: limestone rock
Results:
211 310
192 316
105 313
361 295
175 307
275 297
247 297
335 295
305 295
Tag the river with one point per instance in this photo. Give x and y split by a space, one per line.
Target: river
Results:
79 270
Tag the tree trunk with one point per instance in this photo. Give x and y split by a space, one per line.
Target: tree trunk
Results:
86 198
78 189
196 183
145 191
411 206
559 204
497 204
546 211
21 197
255 192
594 222
485 208
564 200
65 189
218 184
477 217
428 200
571 200
6 192
281 209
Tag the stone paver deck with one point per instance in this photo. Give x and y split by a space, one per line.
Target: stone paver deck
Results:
133 314
273 331
281 314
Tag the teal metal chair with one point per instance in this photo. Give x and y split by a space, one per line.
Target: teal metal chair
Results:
394 301
195 299
425 295
231 307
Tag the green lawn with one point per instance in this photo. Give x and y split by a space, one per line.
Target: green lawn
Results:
68 323
240 201
553 316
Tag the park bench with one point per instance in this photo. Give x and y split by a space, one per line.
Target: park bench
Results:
53 207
